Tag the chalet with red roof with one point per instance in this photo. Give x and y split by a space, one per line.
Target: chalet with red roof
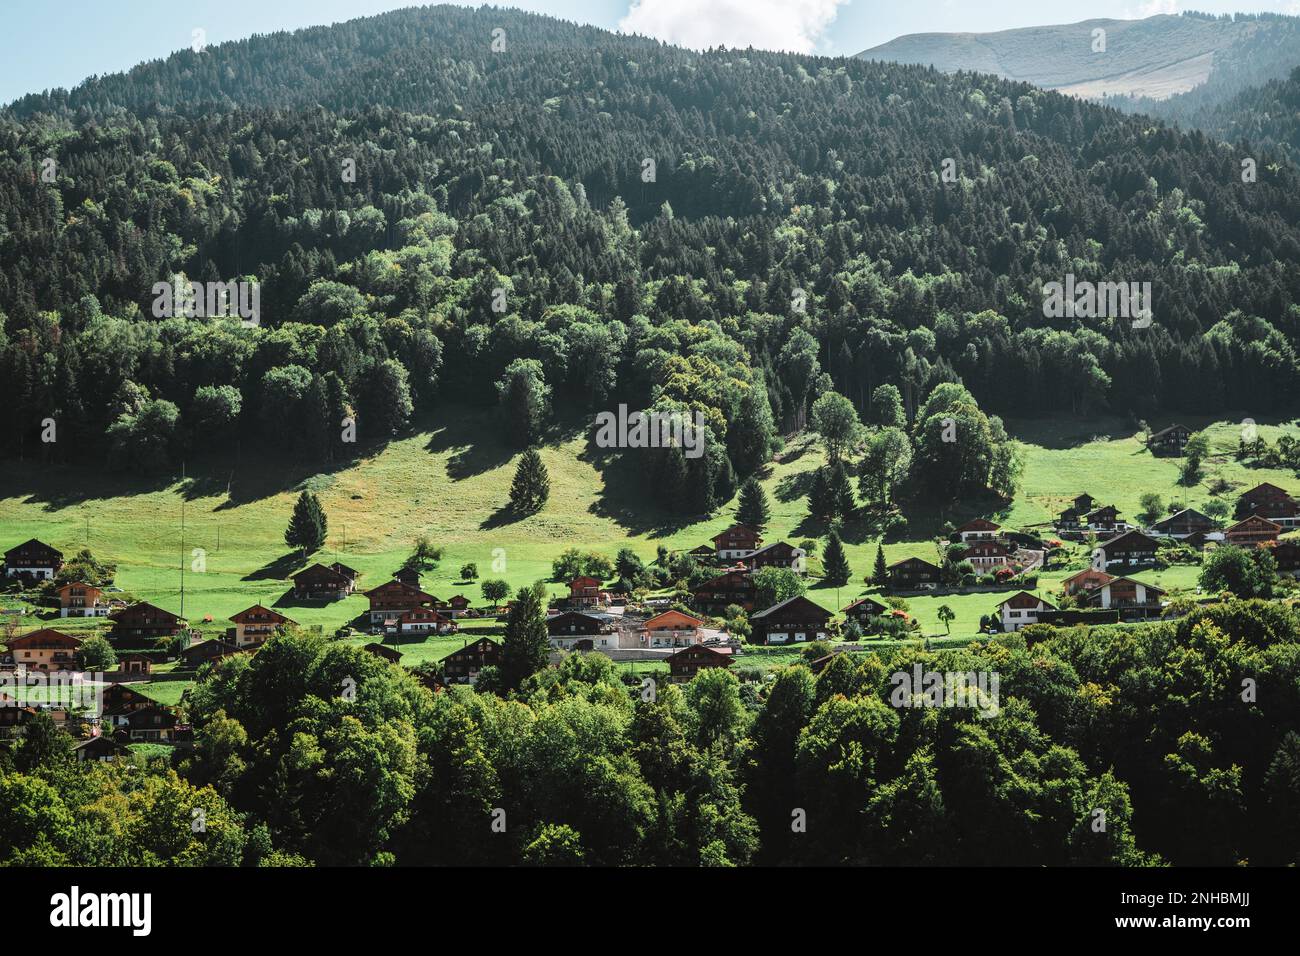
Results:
584 591
1085 580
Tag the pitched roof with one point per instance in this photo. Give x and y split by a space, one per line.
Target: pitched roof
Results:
978 524
864 600
1114 581
1130 534
44 634
1253 519
242 616
1032 597
787 603
899 564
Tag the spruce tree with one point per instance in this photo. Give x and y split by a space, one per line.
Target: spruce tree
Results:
307 525
753 510
881 573
841 491
532 485
836 561
526 643
820 505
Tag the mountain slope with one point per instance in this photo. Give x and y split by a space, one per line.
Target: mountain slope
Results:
525 171
1150 60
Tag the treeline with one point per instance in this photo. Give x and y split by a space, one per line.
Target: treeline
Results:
1168 743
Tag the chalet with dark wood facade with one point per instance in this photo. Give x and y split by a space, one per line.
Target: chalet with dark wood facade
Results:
794 620
1185 522
425 620
738 541
1132 549
1271 502
584 592
1072 517
1286 554
1133 599
463 666
142 626
1021 610
1085 580
913 574
33 561
865 611
204 652
153 725
322 582
689 661
731 587
390 654
1169 441
778 554
1252 532
390 601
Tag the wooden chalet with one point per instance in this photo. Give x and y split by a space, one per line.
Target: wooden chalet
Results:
45 650
33 560
793 621
1022 609
324 582
1085 580
1133 599
390 654
738 541
672 628
778 554
1286 554
1186 522
256 625
584 592
425 620
577 630
1271 502
121 699
865 611
980 529
135 663
390 601
985 554
734 586
407 575
151 725
689 661
913 574
1104 519
98 747
463 666
1252 532
1169 441
1132 549
81 600
457 606
203 652
142 626
1072 516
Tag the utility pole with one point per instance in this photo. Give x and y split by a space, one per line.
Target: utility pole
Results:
182 539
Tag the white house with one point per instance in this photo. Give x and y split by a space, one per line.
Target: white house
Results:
1020 609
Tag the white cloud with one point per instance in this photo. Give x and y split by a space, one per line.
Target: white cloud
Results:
1151 8
794 25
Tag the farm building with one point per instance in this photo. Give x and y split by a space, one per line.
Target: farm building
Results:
794 620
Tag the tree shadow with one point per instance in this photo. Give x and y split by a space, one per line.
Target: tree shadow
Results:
281 569
796 486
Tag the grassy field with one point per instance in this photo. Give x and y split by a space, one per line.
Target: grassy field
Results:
449 479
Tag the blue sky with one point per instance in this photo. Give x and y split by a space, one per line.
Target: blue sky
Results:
41 48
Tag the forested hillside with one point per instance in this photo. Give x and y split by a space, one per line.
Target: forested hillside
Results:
503 240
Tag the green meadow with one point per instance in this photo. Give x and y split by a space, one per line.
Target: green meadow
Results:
449 477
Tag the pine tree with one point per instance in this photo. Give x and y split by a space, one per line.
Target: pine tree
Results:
836 561
841 491
753 510
820 505
532 485
307 525
526 644
881 573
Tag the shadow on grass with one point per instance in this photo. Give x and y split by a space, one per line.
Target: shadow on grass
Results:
281 569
